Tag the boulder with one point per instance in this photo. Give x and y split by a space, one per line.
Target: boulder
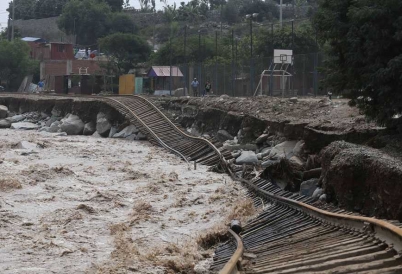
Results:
52 120
113 131
127 131
296 162
266 151
44 129
26 145
131 137
89 128
140 136
3 111
293 100
54 127
307 188
261 139
299 147
270 163
24 126
73 125
5 124
323 198
247 157
223 136
103 125
283 150
15 118
317 193
96 135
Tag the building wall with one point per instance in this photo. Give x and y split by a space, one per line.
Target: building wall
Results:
67 67
61 51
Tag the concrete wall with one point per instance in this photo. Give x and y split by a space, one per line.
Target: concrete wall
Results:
43 28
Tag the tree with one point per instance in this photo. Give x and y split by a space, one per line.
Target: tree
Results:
364 38
115 5
93 19
48 8
24 9
125 50
15 63
121 22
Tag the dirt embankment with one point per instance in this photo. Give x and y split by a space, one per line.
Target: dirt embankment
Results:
362 179
86 109
318 121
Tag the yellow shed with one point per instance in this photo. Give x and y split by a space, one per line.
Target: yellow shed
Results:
127 84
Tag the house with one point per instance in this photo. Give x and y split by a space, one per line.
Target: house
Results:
165 79
42 50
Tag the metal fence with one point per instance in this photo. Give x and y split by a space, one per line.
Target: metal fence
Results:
244 79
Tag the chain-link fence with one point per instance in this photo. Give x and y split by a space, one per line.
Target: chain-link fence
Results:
256 77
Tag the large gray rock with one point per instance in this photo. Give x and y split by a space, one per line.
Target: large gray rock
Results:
112 132
223 136
247 157
103 125
307 188
16 118
24 126
96 135
73 125
5 124
127 131
54 127
317 193
140 136
261 139
52 120
3 111
298 149
283 150
89 128
26 145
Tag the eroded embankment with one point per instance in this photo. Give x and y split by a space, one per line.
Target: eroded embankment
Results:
86 109
350 173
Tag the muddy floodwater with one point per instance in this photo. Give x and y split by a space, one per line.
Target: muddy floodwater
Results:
75 204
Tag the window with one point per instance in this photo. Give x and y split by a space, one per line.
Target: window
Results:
61 48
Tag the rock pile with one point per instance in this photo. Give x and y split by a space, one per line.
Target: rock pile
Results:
70 124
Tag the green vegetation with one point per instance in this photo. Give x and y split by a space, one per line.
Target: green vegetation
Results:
125 50
364 41
93 19
15 63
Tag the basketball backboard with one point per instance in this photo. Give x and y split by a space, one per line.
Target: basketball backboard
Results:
283 56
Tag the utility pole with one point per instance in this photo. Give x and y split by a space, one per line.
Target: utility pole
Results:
185 60
216 61
281 13
233 75
12 26
170 64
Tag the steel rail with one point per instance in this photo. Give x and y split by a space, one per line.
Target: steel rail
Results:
232 267
217 151
383 230
150 131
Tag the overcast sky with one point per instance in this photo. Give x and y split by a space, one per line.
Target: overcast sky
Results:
134 3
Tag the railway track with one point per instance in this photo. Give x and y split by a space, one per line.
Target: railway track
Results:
292 234
295 234
161 131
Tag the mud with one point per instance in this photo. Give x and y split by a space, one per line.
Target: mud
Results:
90 205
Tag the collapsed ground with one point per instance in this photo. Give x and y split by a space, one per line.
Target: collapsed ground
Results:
319 147
77 204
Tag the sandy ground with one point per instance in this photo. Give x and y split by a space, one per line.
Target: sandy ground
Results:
89 205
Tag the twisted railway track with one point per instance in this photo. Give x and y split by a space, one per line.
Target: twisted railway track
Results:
292 234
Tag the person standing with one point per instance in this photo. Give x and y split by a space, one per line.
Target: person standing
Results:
194 85
208 87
